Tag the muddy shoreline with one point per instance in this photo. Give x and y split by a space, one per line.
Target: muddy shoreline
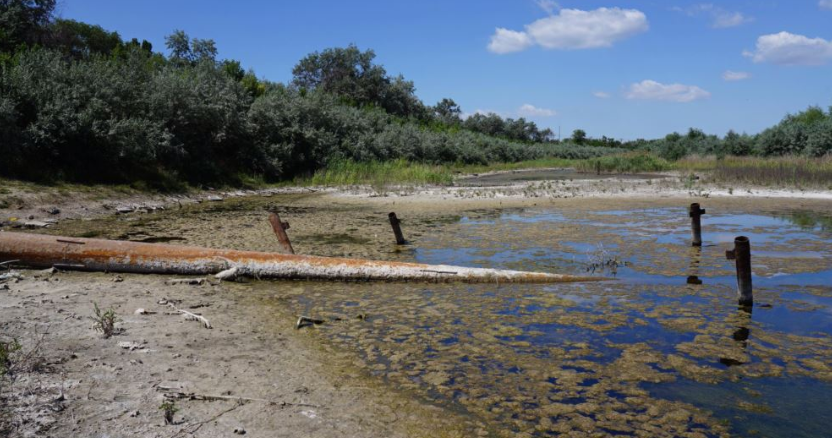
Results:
286 381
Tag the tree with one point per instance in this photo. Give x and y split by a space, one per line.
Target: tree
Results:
184 50
80 40
23 22
448 112
579 136
351 75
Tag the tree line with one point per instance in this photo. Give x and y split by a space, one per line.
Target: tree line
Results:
79 103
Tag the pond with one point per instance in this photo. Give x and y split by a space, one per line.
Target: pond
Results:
647 353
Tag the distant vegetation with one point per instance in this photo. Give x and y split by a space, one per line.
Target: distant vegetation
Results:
80 104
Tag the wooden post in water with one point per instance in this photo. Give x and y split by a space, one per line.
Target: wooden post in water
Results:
280 228
695 224
742 254
397 230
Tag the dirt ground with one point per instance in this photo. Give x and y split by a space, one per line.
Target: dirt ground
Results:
253 372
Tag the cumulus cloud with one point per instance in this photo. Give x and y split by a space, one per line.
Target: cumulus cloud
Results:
507 41
652 90
786 48
732 76
720 18
529 110
550 6
825 4
601 95
572 29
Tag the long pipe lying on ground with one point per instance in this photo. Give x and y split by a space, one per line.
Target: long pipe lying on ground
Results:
38 250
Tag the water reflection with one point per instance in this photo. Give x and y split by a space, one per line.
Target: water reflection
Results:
615 358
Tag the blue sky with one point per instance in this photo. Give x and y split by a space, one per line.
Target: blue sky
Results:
624 69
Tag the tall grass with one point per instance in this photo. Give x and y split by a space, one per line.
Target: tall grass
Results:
788 171
378 174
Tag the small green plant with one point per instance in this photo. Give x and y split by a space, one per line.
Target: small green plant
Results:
104 322
168 408
7 349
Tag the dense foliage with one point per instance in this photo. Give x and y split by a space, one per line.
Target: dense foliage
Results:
79 103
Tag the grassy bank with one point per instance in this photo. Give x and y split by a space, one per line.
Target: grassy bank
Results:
792 172
378 174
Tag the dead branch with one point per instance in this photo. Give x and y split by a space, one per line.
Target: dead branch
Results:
191 316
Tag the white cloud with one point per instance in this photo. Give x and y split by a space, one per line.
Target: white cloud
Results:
720 18
786 48
550 6
825 4
732 76
652 90
573 29
529 110
601 95
507 41
723 19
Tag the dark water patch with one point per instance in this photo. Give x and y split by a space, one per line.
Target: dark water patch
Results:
794 408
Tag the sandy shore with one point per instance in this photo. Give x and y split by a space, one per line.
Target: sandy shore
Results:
253 372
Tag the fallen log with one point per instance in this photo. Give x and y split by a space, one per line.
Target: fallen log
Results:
37 250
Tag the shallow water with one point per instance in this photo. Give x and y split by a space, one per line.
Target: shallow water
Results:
647 353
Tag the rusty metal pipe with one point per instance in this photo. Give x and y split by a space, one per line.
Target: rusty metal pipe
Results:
38 250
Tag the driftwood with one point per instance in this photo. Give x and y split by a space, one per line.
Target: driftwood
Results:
191 316
174 393
191 281
152 258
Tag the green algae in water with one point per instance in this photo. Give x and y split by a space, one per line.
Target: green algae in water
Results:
538 360
611 358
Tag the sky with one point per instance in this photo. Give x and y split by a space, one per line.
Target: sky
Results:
623 69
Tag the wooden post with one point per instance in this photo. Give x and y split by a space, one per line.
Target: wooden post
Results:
280 231
598 167
397 230
742 254
695 224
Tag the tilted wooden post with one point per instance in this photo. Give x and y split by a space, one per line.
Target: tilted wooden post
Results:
742 255
696 224
397 230
280 231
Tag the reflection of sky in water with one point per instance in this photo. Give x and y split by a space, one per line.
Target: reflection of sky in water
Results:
781 416
660 311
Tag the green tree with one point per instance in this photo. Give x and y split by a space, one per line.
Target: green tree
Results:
80 40
579 136
184 50
24 22
448 112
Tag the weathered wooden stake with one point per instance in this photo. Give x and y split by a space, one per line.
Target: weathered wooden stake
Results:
280 231
742 254
397 230
598 167
696 224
